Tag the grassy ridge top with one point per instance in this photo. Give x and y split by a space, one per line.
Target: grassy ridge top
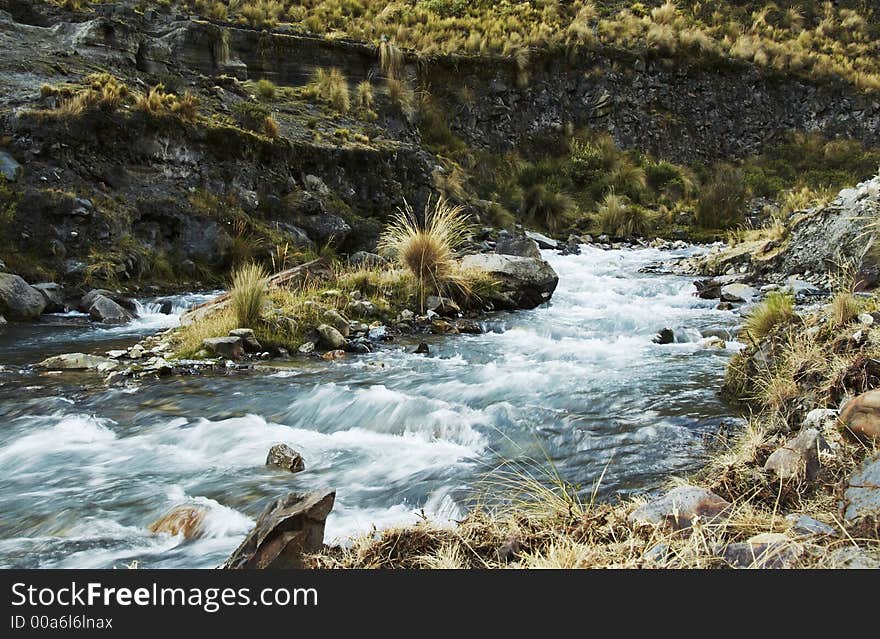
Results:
813 39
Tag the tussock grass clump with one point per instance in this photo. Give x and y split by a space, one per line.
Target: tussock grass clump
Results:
776 309
619 218
330 86
401 96
546 208
248 294
427 246
723 199
270 128
844 308
364 95
266 89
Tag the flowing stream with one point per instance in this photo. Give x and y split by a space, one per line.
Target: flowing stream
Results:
577 385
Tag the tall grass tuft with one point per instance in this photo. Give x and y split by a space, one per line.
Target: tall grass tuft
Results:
776 309
248 294
426 248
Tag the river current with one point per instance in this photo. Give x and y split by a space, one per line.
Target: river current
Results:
576 385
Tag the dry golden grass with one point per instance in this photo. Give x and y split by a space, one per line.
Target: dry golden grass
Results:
426 246
248 294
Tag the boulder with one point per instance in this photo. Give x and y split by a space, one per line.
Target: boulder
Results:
288 528
443 306
860 417
283 456
518 245
18 301
737 293
422 349
862 495
524 282
799 456
542 241
228 347
186 519
337 321
767 550
469 326
89 298
330 337
333 355
105 310
53 295
853 558
679 508
248 340
442 327
665 336
77 362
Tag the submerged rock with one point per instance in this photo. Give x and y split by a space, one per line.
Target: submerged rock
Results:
524 282
78 361
679 508
664 336
288 528
186 519
283 456
18 300
860 417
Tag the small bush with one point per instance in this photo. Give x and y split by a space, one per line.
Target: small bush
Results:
548 209
270 128
364 95
266 89
723 200
401 96
248 294
251 115
331 87
776 309
619 218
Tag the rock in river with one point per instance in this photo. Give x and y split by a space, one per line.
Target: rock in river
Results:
524 282
103 309
283 456
330 337
186 519
18 301
78 361
288 528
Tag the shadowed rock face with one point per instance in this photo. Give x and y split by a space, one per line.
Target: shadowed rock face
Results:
290 527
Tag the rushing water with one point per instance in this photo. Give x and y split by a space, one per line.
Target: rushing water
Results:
84 468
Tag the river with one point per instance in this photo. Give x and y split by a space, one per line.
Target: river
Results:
576 385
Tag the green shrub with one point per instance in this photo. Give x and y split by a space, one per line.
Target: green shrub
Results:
251 115
545 208
723 199
777 308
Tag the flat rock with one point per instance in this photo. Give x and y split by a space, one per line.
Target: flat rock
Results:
767 550
806 526
228 347
862 495
77 361
289 528
542 241
679 508
860 417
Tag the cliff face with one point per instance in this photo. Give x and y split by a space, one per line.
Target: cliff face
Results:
91 184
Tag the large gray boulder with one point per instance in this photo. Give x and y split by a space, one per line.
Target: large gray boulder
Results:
289 527
524 282
231 347
53 294
18 300
330 337
104 310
